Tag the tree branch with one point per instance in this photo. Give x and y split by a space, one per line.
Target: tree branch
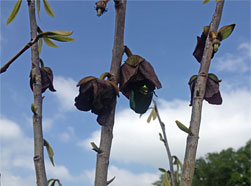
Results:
27 46
162 125
107 129
192 140
37 93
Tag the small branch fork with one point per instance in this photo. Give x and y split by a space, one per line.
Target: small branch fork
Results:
162 125
27 46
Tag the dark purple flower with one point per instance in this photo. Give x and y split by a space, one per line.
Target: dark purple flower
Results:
47 79
201 42
212 93
134 71
97 95
138 81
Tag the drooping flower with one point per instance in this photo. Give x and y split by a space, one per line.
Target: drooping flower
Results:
212 92
97 95
138 81
46 77
201 42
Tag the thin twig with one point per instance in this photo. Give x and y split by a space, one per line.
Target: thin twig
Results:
27 46
199 92
162 125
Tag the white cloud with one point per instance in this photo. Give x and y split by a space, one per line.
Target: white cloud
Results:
66 92
67 135
124 177
223 126
9 130
235 63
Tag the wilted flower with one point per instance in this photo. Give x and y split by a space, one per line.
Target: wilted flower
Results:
212 93
46 77
138 81
97 95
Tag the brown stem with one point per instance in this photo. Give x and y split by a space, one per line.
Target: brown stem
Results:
107 129
162 125
192 141
37 117
27 46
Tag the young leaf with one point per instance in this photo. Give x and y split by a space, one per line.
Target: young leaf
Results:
40 43
48 9
50 43
49 151
57 32
165 181
50 180
182 127
38 9
53 183
161 138
225 31
162 170
149 117
205 1
110 181
14 12
61 38
95 147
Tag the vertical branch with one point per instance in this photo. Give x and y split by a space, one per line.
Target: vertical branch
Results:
37 93
162 125
199 92
107 130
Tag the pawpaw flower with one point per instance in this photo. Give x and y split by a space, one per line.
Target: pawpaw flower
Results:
212 93
46 77
138 82
97 95
216 38
201 42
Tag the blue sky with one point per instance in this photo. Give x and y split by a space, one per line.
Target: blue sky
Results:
164 33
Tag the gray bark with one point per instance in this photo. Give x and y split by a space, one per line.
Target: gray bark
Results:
107 130
37 117
192 140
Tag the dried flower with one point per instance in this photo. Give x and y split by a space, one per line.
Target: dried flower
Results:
138 81
212 93
97 95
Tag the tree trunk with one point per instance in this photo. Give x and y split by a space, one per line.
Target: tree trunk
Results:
192 140
107 130
37 115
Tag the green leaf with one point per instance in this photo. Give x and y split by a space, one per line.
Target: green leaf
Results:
14 12
48 9
110 181
182 127
40 43
38 9
216 1
162 170
161 138
50 180
53 183
57 32
149 117
95 147
153 115
49 151
165 181
205 1
50 43
61 38
225 31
